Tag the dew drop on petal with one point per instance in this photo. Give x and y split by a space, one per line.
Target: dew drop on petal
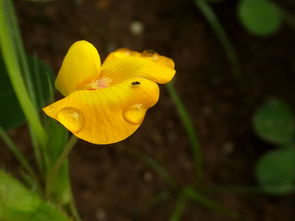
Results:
134 114
71 118
150 54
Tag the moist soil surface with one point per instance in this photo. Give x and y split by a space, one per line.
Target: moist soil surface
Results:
112 184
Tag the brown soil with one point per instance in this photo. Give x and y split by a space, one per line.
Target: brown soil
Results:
111 185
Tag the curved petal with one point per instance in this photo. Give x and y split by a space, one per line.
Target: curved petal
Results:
124 63
106 115
80 65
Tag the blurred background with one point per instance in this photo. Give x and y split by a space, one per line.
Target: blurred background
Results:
220 94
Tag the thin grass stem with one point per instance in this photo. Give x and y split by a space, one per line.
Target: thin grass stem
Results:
51 178
179 208
15 150
233 189
195 196
74 211
190 130
36 73
212 19
50 88
157 167
14 71
22 56
41 163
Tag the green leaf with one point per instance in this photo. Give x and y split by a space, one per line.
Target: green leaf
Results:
11 115
261 17
62 193
42 77
274 122
275 171
18 203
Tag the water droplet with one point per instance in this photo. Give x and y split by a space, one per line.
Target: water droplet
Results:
71 118
134 114
148 53
151 54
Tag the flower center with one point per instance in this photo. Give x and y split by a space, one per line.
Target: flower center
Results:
99 83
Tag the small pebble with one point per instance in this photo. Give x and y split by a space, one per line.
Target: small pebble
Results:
207 110
148 177
228 148
136 27
101 214
216 81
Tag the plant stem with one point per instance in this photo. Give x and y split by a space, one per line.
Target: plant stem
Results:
165 195
190 130
20 51
36 74
25 70
212 205
156 166
37 152
179 208
14 149
74 211
233 189
62 158
221 35
14 71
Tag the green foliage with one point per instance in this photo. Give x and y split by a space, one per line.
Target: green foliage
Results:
190 131
261 17
274 122
18 203
275 171
42 78
18 70
31 82
11 114
212 19
61 188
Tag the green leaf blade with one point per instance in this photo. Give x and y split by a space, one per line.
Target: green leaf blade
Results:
260 17
11 114
275 171
274 122
19 203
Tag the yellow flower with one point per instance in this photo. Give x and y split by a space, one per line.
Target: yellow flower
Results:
106 103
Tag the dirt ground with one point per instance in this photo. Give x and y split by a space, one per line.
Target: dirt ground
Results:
110 185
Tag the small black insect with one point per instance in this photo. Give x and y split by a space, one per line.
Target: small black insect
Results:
135 83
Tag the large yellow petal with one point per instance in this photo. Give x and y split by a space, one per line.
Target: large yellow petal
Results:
124 63
106 115
80 65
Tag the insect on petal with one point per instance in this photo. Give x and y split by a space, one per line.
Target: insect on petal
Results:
108 115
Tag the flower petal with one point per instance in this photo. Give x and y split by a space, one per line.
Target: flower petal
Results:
80 65
125 63
106 115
